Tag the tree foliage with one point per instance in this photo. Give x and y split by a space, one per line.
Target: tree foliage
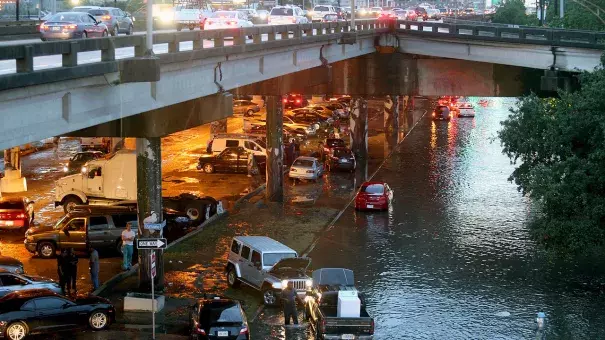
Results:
513 12
578 15
559 147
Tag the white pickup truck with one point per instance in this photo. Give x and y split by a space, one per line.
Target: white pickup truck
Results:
187 16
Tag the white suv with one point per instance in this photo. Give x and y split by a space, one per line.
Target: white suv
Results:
320 11
285 15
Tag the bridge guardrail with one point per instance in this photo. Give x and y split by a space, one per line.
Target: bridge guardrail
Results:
15 30
521 35
24 55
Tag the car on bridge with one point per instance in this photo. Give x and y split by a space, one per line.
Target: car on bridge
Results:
421 13
434 14
116 20
320 11
72 25
374 196
227 19
286 15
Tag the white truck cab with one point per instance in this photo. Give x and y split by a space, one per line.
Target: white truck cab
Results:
252 144
102 181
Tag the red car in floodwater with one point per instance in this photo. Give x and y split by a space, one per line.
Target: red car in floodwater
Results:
13 214
374 196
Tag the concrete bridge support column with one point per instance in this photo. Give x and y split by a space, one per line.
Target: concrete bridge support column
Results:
391 122
149 199
275 149
12 180
358 128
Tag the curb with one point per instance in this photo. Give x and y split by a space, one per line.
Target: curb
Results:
333 221
249 195
123 275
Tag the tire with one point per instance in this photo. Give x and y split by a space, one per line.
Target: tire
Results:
194 212
84 35
191 27
119 247
47 250
130 30
115 31
249 113
98 320
179 28
104 34
269 297
16 331
70 202
232 280
208 168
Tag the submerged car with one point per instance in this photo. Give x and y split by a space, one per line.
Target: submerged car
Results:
215 317
306 168
374 196
442 112
465 110
42 311
232 159
340 158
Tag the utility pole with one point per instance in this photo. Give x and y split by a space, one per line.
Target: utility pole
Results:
17 9
149 37
352 28
561 9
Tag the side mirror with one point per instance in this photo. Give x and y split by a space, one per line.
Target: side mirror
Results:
92 173
257 264
66 232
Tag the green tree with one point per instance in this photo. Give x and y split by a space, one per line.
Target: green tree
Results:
579 14
559 147
513 12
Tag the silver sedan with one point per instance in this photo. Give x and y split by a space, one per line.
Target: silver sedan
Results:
11 282
306 168
72 25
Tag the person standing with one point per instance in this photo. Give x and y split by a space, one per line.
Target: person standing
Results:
289 305
62 270
127 246
93 263
72 271
30 212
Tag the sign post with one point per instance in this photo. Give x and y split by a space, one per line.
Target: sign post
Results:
153 272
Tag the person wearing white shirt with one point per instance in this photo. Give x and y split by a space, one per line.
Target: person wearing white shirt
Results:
127 246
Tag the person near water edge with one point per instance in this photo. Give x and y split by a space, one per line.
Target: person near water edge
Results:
94 267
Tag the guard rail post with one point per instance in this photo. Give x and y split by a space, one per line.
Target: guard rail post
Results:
26 63
108 51
70 58
173 45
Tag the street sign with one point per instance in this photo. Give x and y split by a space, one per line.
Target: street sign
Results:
153 272
152 243
154 226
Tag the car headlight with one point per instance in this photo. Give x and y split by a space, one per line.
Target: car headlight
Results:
65 169
284 284
84 169
308 283
30 238
277 285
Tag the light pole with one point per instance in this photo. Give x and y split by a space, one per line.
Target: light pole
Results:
352 16
149 37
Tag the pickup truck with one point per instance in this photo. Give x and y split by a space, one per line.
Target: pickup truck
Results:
186 16
321 307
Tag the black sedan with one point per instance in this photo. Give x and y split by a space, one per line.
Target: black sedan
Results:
218 318
234 159
41 311
78 160
340 158
72 25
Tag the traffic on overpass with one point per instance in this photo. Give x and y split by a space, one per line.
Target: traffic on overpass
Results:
239 172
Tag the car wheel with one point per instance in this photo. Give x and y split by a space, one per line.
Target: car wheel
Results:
98 320
70 203
115 31
193 212
119 248
104 34
130 30
208 168
269 297
249 113
16 331
179 28
232 280
84 35
47 250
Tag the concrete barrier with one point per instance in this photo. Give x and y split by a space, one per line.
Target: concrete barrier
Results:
17 30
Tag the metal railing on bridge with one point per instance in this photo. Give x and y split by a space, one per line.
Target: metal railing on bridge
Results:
250 39
519 35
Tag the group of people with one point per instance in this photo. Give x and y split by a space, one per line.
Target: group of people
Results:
67 269
291 151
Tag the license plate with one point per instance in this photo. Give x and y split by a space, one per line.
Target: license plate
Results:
222 333
345 161
348 336
56 28
370 206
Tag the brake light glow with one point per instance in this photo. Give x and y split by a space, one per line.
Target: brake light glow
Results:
199 331
297 101
70 27
43 27
21 215
285 100
106 17
244 330
210 22
231 22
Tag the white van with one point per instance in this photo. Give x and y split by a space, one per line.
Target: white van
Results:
227 140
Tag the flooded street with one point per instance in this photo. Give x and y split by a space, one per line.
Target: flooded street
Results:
453 258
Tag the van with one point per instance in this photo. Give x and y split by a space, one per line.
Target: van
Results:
250 143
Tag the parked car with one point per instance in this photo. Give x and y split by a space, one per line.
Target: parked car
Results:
190 16
375 11
96 144
227 19
309 115
326 146
374 196
266 265
294 100
13 213
74 165
306 168
465 110
41 311
262 17
116 20
434 14
337 110
12 282
340 158
11 264
222 141
215 317
322 306
285 15
442 112
232 159
72 25
405 14
245 107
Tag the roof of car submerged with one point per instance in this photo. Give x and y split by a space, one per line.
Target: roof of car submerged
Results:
265 244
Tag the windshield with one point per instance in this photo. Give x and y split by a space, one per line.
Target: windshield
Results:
98 12
220 313
282 11
65 17
373 189
272 259
59 223
223 14
11 205
304 163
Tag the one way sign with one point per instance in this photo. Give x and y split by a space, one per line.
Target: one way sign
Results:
152 243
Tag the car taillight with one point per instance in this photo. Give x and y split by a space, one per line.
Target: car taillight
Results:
372 328
199 331
70 27
285 100
310 171
21 216
293 170
43 27
297 101
106 17
231 22
210 22
244 330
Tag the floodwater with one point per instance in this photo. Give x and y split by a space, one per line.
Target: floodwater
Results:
453 258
